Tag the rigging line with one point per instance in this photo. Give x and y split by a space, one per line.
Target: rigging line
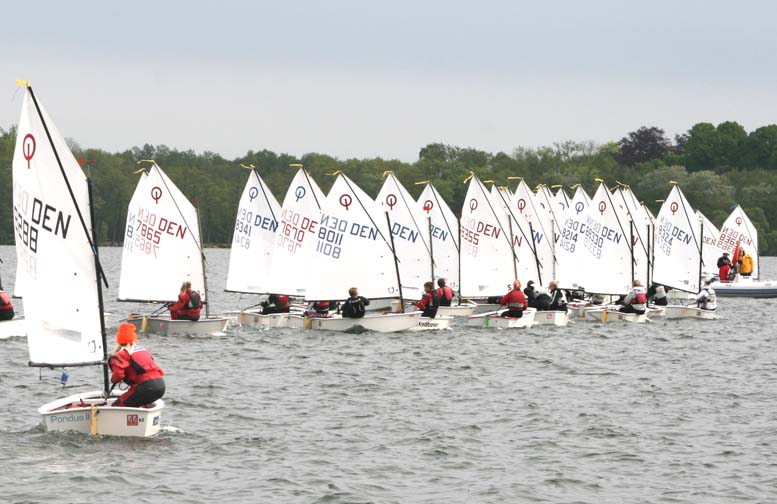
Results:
445 219
631 247
514 218
266 199
69 188
631 216
310 186
696 239
199 247
542 227
488 200
412 217
368 214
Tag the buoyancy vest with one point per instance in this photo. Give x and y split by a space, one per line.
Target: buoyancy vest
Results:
707 298
353 307
283 302
429 303
5 301
514 300
660 292
322 306
446 295
134 368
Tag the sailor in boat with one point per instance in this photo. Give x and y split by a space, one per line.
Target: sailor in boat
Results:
6 307
745 263
558 301
531 294
276 303
429 302
636 300
444 292
706 298
134 365
515 301
724 267
189 304
353 307
657 295
319 309
541 300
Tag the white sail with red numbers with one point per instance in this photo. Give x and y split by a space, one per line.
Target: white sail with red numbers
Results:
162 245
487 260
738 229
710 251
250 259
445 235
296 237
53 245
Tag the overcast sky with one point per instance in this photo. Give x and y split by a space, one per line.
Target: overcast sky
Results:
358 78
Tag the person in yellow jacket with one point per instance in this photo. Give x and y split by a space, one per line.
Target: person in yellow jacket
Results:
745 264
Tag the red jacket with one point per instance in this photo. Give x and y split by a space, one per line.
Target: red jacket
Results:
180 308
5 301
429 303
446 295
135 368
514 300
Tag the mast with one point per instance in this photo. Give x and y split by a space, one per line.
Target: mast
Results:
458 221
202 262
701 246
106 380
431 249
631 248
396 266
536 257
512 240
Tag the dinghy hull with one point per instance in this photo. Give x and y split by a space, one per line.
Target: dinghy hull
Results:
432 324
746 288
679 311
95 417
493 319
164 326
609 316
386 322
557 318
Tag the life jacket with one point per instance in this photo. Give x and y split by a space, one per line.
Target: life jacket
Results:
5 302
195 300
283 302
322 306
747 264
135 368
660 292
514 300
353 308
709 299
446 295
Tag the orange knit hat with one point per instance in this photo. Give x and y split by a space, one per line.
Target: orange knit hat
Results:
126 334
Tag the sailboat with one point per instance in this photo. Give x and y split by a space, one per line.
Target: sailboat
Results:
488 252
353 248
52 206
739 232
678 253
595 254
710 250
250 259
411 236
162 248
444 248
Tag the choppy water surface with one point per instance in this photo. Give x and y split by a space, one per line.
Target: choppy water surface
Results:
680 411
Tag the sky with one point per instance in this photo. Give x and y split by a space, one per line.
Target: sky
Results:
383 79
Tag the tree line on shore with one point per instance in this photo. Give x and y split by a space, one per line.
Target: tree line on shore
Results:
716 167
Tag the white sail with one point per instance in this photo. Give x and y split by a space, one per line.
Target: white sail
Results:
561 198
710 252
352 247
632 216
445 235
677 256
739 229
296 237
411 235
53 246
594 251
487 261
250 258
527 267
161 242
541 226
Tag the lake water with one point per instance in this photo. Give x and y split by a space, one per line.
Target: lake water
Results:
671 411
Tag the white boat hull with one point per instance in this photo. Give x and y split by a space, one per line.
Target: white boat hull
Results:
613 315
108 421
493 319
384 323
745 287
165 326
461 310
13 327
679 311
433 324
256 319
557 318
